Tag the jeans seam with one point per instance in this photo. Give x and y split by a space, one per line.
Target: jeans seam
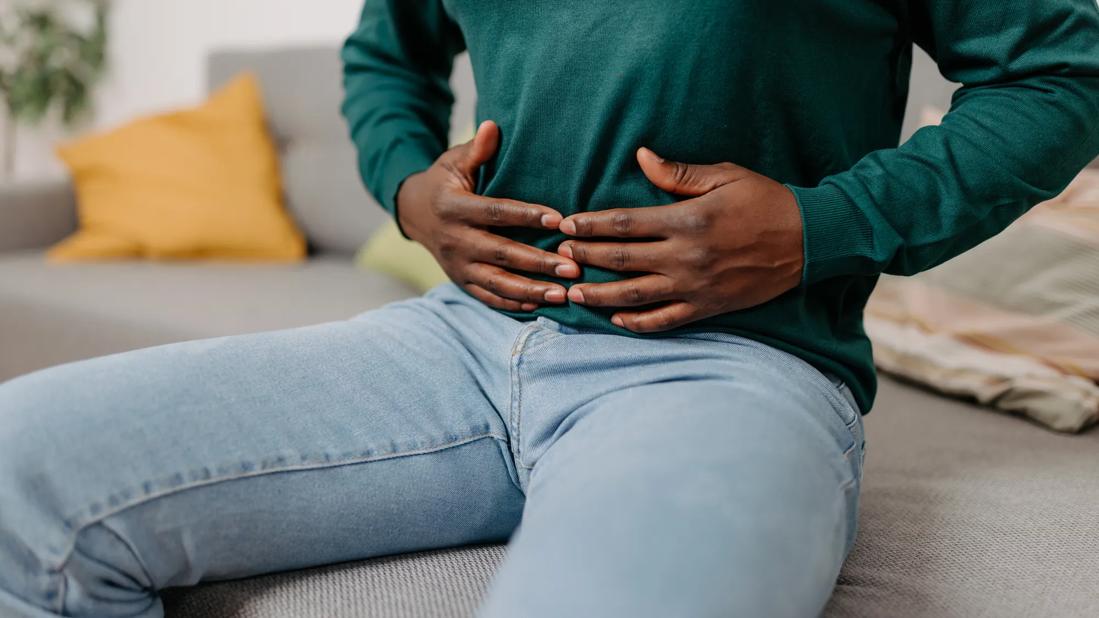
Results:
62 590
76 527
545 337
851 482
516 403
856 447
133 551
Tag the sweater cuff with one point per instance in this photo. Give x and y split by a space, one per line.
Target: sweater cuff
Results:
838 237
404 161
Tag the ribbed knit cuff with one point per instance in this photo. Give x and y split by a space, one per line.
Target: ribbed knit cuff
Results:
405 160
838 236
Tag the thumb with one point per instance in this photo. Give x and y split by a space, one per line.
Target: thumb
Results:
685 178
482 147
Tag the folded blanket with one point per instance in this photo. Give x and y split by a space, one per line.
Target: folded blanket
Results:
1014 323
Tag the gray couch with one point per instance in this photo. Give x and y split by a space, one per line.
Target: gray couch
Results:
965 512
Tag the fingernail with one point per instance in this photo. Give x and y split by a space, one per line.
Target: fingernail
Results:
551 221
566 270
556 295
568 227
618 321
528 307
659 158
576 295
566 251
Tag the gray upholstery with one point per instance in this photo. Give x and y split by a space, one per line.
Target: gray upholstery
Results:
439 584
966 512
35 214
969 512
51 314
927 88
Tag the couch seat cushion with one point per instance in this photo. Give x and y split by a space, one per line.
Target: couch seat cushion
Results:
448 583
966 512
52 313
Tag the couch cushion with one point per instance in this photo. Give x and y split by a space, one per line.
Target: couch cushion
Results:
965 513
51 314
440 584
969 513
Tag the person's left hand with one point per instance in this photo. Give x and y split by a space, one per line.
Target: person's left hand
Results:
736 244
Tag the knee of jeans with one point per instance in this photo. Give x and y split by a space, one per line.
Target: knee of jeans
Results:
32 496
30 441
45 559
105 576
100 576
24 490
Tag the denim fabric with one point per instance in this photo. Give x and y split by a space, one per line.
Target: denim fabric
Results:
692 475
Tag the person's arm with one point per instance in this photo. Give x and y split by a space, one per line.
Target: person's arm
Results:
1024 123
397 66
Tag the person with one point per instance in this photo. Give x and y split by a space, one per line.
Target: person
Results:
649 371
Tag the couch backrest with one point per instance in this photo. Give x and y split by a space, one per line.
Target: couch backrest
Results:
303 90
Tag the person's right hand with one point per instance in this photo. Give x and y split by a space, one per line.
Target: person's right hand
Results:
439 209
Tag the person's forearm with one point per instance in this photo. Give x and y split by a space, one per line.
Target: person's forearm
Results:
397 65
1024 123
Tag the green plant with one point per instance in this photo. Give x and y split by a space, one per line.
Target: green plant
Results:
47 63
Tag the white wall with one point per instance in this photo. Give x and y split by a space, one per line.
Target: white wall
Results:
158 48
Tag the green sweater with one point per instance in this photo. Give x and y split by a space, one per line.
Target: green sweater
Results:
811 94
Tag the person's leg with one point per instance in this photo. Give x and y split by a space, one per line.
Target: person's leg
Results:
232 457
678 477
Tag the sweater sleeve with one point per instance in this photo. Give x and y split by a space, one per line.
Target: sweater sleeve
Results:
397 66
1023 124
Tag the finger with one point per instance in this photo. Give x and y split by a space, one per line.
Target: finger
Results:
498 212
650 222
657 320
685 178
492 249
497 302
482 147
619 256
510 286
635 292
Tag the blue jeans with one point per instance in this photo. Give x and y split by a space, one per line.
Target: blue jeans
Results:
698 475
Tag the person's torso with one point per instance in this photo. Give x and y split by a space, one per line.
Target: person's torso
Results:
792 90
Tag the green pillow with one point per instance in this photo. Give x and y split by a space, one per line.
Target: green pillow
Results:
390 253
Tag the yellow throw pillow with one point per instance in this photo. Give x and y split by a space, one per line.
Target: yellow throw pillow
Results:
390 253
201 183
